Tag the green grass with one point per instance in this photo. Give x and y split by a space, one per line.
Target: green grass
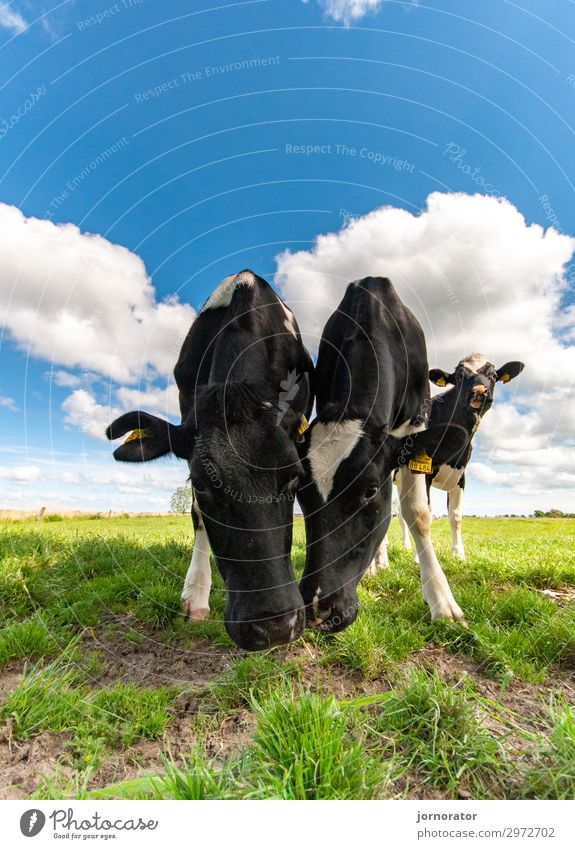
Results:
434 729
394 706
553 775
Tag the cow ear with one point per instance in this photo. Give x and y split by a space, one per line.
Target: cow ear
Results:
440 377
509 371
437 445
151 437
292 409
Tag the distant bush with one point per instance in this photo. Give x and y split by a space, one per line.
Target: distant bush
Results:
552 514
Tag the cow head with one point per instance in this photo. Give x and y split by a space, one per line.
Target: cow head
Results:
474 379
240 448
346 500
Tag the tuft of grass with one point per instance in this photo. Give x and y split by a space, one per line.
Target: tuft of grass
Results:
435 729
158 605
254 676
30 639
195 779
127 712
373 644
305 748
553 776
44 701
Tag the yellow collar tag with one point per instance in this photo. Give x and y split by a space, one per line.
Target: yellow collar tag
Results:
303 425
137 434
423 464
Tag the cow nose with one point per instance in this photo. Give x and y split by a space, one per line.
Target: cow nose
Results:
334 618
268 630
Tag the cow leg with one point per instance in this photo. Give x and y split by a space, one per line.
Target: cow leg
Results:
415 508
198 582
381 559
405 538
454 509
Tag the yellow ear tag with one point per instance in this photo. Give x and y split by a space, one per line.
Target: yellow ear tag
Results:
137 434
505 378
441 381
303 425
422 464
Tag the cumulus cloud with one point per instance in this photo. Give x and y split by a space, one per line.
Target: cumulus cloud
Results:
11 19
83 411
22 474
78 300
348 11
479 278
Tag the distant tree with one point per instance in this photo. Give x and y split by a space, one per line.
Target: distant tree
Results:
181 500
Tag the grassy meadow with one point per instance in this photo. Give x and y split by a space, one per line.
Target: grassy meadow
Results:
106 692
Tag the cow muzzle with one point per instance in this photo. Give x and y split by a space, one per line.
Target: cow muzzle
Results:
267 630
479 396
331 616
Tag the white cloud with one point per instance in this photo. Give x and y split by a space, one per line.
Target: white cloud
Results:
83 411
162 402
348 11
72 381
478 278
23 474
12 20
9 403
78 300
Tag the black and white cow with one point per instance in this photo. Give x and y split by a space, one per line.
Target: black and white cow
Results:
372 394
471 396
244 384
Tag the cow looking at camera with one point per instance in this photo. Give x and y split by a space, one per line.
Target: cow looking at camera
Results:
471 396
244 385
372 392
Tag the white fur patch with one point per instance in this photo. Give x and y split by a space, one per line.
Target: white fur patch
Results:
474 362
330 444
447 477
223 294
405 429
289 322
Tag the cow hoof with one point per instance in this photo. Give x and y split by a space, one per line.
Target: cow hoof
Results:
194 614
458 554
449 610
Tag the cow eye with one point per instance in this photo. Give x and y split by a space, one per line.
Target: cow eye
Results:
371 492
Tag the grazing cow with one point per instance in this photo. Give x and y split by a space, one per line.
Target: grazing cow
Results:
244 383
464 404
372 396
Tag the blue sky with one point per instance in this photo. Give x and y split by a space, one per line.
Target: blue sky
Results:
233 136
